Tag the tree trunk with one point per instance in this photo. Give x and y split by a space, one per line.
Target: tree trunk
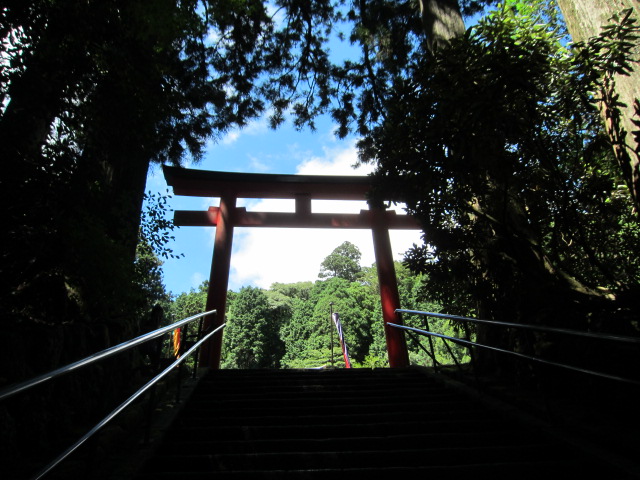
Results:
584 19
442 21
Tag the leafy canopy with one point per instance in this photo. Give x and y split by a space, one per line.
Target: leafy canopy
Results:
342 262
496 145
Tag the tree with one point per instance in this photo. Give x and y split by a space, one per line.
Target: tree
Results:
620 84
495 149
189 303
309 330
252 334
92 93
299 290
80 123
442 21
342 262
148 272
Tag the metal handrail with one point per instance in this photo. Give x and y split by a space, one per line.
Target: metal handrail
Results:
578 333
19 387
517 354
127 402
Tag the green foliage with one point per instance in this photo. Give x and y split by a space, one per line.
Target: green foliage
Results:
148 274
188 304
613 51
371 361
497 147
289 325
251 336
542 12
84 110
310 328
315 358
155 227
343 262
445 352
299 290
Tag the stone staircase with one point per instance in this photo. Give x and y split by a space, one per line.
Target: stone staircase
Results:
356 424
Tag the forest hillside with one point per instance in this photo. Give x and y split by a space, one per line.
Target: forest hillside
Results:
289 326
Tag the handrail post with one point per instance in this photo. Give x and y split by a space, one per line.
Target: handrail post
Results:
472 355
196 358
433 350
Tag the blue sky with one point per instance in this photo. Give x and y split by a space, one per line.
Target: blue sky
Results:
263 256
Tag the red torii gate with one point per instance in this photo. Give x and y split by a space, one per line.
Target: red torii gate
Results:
302 188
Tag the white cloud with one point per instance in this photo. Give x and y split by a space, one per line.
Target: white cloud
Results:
230 137
263 256
258 165
196 279
255 127
336 161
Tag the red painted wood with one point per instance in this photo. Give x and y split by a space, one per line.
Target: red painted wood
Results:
219 279
242 218
389 296
205 183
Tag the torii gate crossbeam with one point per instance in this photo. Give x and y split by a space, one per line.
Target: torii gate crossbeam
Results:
302 188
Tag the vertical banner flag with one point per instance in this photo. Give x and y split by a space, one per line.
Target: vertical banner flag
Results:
175 340
345 352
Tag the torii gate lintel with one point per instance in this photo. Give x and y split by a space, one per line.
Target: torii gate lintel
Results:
231 186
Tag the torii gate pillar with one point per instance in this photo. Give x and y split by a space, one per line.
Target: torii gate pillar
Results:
219 279
389 296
